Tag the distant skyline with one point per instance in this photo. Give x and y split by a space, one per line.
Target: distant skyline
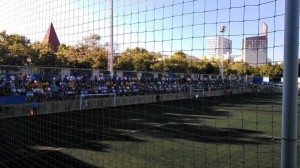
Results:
163 26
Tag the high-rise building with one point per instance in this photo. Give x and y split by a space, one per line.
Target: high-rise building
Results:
264 29
255 49
51 38
218 46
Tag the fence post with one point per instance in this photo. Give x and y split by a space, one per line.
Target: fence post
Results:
290 90
111 57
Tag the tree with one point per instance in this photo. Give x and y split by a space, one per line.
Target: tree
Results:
266 70
94 53
143 61
98 58
159 66
14 49
125 62
66 55
178 62
271 70
201 65
278 70
43 55
209 68
3 47
91 42
193 67
138 59
239 68
179 55
89 54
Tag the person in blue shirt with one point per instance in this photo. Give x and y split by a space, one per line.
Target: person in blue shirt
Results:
34 108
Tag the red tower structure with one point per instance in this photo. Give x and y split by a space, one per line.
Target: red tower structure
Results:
51 38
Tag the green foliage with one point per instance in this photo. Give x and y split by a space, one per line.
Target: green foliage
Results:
277 70
193 67
42 54
15 49
178 63
209 68
268 70
91 42
125 62
238 68
137 59
159 66
65 55
179 55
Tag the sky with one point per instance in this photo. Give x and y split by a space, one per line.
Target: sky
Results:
163 26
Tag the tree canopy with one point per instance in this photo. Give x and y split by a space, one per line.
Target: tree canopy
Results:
90 53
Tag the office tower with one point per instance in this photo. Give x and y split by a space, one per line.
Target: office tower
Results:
218 46
255 49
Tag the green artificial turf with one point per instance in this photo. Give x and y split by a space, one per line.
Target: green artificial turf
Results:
227 131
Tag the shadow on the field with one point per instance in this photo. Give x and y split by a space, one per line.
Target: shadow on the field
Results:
252 99
38 140
29 137
37 158
206 134
173 122
183 119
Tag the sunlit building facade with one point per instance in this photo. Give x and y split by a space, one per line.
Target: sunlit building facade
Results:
255 49
218 46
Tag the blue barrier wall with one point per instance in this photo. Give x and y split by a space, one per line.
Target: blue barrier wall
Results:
6 100
257 80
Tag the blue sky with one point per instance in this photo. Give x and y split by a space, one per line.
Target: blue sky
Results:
161 26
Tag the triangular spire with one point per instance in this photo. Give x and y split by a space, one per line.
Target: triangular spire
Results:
51 38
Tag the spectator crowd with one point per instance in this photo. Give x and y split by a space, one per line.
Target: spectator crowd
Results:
53 87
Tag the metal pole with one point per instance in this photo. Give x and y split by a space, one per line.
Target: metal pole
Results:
222 30
111 57
290 90
222 63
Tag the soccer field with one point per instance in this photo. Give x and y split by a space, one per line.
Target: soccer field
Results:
227 131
